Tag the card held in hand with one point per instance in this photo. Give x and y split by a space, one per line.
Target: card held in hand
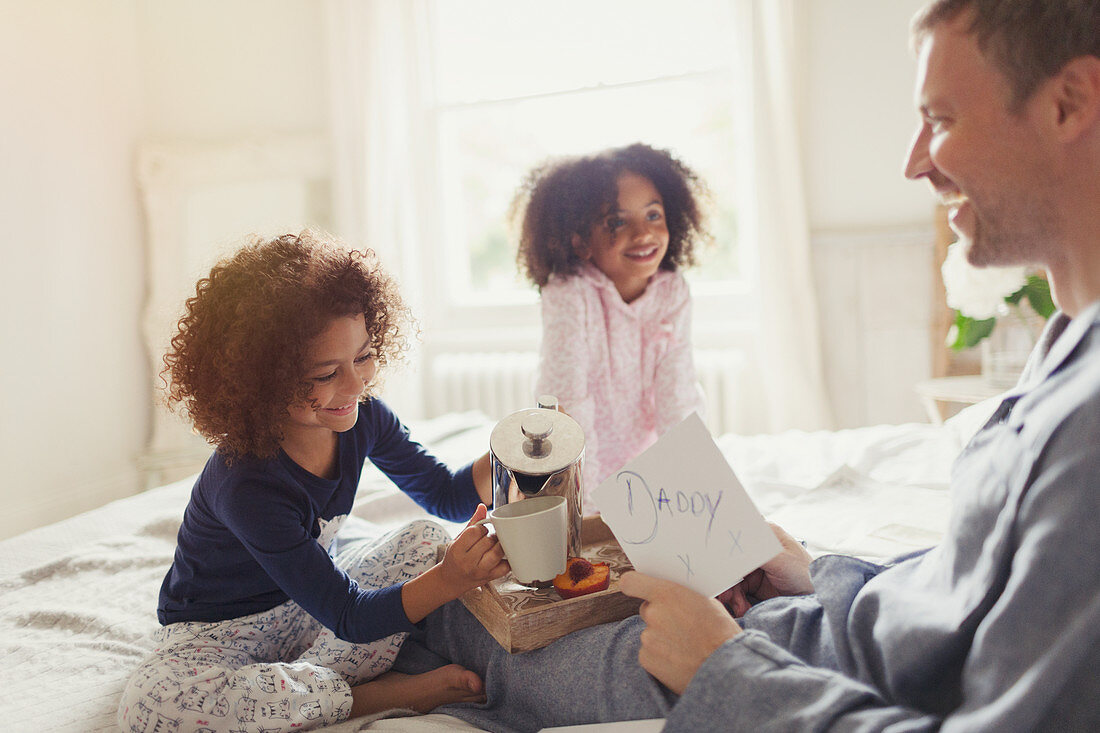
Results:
680 513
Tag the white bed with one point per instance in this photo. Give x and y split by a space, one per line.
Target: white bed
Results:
78 598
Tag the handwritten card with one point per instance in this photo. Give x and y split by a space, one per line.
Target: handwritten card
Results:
680 513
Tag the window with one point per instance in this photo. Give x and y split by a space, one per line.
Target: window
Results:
516 82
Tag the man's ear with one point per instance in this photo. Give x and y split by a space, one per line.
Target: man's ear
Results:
580 247
1077 96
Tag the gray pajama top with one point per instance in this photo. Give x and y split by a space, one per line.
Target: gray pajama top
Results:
995 629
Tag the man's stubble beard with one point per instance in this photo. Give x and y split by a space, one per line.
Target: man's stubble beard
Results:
1021 235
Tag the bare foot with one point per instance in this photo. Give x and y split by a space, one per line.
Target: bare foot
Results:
419 692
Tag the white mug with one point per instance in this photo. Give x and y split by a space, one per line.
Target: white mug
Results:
533 533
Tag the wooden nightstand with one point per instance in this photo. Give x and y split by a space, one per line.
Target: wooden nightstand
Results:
938 394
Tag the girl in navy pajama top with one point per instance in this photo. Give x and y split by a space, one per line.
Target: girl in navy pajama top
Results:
268 624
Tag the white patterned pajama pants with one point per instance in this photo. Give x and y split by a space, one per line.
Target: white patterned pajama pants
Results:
278 670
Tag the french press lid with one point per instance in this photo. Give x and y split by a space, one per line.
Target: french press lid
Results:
536 441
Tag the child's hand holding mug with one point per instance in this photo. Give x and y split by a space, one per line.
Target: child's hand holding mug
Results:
474 558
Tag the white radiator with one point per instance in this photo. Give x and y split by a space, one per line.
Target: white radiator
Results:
496 383
499 383
721 375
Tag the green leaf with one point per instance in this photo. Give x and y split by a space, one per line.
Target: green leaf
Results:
968 332
1037 291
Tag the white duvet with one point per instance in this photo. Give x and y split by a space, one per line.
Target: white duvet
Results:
78 598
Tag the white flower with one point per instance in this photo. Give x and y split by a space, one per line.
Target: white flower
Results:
978 292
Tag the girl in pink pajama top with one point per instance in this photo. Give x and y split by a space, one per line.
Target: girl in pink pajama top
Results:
604 238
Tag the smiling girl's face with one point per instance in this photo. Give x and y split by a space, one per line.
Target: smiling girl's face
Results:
340 365
630 241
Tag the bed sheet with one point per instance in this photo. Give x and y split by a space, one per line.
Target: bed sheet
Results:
77 597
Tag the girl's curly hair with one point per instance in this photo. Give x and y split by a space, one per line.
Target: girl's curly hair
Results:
237 360
567 196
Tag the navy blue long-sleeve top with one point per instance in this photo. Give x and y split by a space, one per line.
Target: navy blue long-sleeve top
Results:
259 532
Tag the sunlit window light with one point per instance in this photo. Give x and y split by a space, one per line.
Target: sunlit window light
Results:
517 82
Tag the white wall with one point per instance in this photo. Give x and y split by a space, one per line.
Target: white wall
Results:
72 405
83 84
216 70
871 228
859 115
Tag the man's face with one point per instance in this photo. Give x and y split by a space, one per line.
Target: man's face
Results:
983 158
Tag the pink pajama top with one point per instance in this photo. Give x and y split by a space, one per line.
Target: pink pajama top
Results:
623 371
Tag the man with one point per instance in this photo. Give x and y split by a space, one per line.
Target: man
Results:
998 627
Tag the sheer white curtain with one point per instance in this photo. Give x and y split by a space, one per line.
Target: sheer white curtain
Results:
379 82
773 215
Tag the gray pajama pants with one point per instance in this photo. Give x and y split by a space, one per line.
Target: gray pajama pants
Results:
278 670
589 676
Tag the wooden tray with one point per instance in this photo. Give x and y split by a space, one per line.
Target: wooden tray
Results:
521 618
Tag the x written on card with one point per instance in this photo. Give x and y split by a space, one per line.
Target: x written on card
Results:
680 513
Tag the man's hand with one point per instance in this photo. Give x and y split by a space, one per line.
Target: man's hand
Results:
683 628
786 574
